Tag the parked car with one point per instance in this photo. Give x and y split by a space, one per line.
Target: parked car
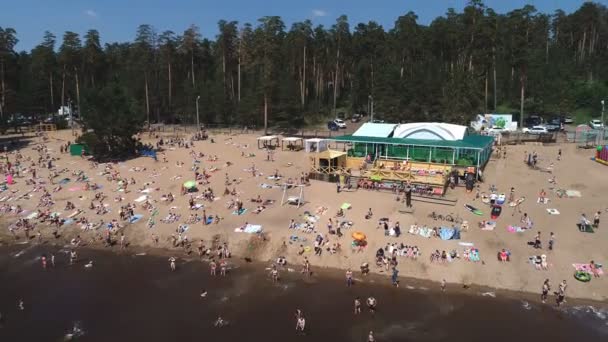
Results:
495 129
553 125
332 126
356 118
340 123
376 121
535 130
568 120
596 124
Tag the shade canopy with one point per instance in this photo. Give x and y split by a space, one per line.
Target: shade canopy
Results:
190 184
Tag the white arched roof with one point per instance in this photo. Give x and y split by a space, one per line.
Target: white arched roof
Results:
430 131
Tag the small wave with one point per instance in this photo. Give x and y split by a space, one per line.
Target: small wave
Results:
489 294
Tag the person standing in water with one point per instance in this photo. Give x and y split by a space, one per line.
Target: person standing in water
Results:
43 260
172 264
213 267
561 294
370 337
223 266
274 274
357 305
395 277
443 283
371 304
545 290
349 278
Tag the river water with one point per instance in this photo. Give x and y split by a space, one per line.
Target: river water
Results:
126 297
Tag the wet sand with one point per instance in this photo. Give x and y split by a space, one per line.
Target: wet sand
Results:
125 297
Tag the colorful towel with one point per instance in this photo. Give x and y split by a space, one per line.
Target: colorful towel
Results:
209 220
64 181
345 206
587 268
250 229
516 229
239 212
135 218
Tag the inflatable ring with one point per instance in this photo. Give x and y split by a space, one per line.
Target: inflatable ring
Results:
582 276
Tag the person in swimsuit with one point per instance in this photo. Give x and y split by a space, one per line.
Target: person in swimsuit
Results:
371 304
213 267
172 263
300 323
545 290
223 266
349 278
274 274
561 294
370 337
357 306
43 259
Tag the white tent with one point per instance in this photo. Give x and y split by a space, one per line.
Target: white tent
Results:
292 142
268 141
316 145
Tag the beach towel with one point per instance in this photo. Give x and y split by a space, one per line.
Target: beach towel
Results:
265 186
490 225
587 268
198 206
250 229
76 188
74 214
32 215
312 218
239 212
141 198
209 220
466 244
68 222
573 193
147 191
274 178
446 233
544 201
517 202
345 206
135 218
515 229
473 209
553 211
64 181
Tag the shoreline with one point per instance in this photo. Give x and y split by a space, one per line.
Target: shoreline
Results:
374 278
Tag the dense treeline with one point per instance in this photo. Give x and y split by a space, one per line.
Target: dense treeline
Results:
459 65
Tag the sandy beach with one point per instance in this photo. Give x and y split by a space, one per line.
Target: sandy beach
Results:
575 171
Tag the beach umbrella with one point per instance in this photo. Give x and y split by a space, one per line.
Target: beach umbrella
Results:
190 184
358 236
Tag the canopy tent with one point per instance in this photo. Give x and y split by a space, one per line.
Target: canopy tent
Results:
293 143
316 145
430 131
268 141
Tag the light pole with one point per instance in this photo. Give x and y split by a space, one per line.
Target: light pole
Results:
371 110
603 115
198 124
71 117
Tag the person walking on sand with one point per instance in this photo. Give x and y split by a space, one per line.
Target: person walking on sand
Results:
551 241
596 220
545 290
357 305
172 264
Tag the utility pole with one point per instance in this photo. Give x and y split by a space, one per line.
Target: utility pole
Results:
603 123
371 114
71 116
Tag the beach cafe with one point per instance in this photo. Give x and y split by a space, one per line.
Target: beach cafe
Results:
424 152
